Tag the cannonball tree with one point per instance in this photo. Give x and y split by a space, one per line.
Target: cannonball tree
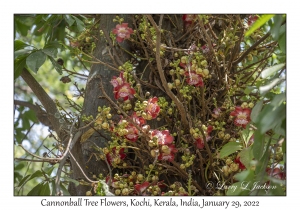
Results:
156 104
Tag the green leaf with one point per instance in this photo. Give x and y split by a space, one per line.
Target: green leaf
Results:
36 190
37 173
53 187
71 180
278 99
229 148
258 23
265 89
54 44
57 67
270 117
279 129
79 23
276 189
246 156
30 115
19 53
69 19
256 110
45 189
19 64
249 89
258 145
17 176
246 175
21 27
24 180
18 45
275 28
262 164
49 171
282 42
25 123
269 71
64 189
35 60
19 166
50 51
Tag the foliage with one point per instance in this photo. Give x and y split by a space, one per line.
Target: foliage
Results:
201 100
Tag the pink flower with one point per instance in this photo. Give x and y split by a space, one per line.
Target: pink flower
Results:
167 149
216 112
200 142
188 19
117 81
138 120
112 182
205 49
184 65
194 79
168 157
242 116
167 152
277 173
163 137
132 133
238 161
152 109
122 31
122 89
252 19
140 188
113 157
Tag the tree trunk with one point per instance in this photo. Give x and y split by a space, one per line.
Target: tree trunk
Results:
93 100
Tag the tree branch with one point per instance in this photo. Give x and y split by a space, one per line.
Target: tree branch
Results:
162 75
250 49
44 98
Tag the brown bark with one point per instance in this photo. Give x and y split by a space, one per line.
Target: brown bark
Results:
92 102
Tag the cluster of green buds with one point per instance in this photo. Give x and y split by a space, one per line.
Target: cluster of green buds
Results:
196 133
247 105
121 185
145 28
154 190
103 118
163 104
229 167
118 19
279 154
227 105
176 190
126 67
120 129
187 159
85 36
186 91
229 39
153 143
125 105
85 118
